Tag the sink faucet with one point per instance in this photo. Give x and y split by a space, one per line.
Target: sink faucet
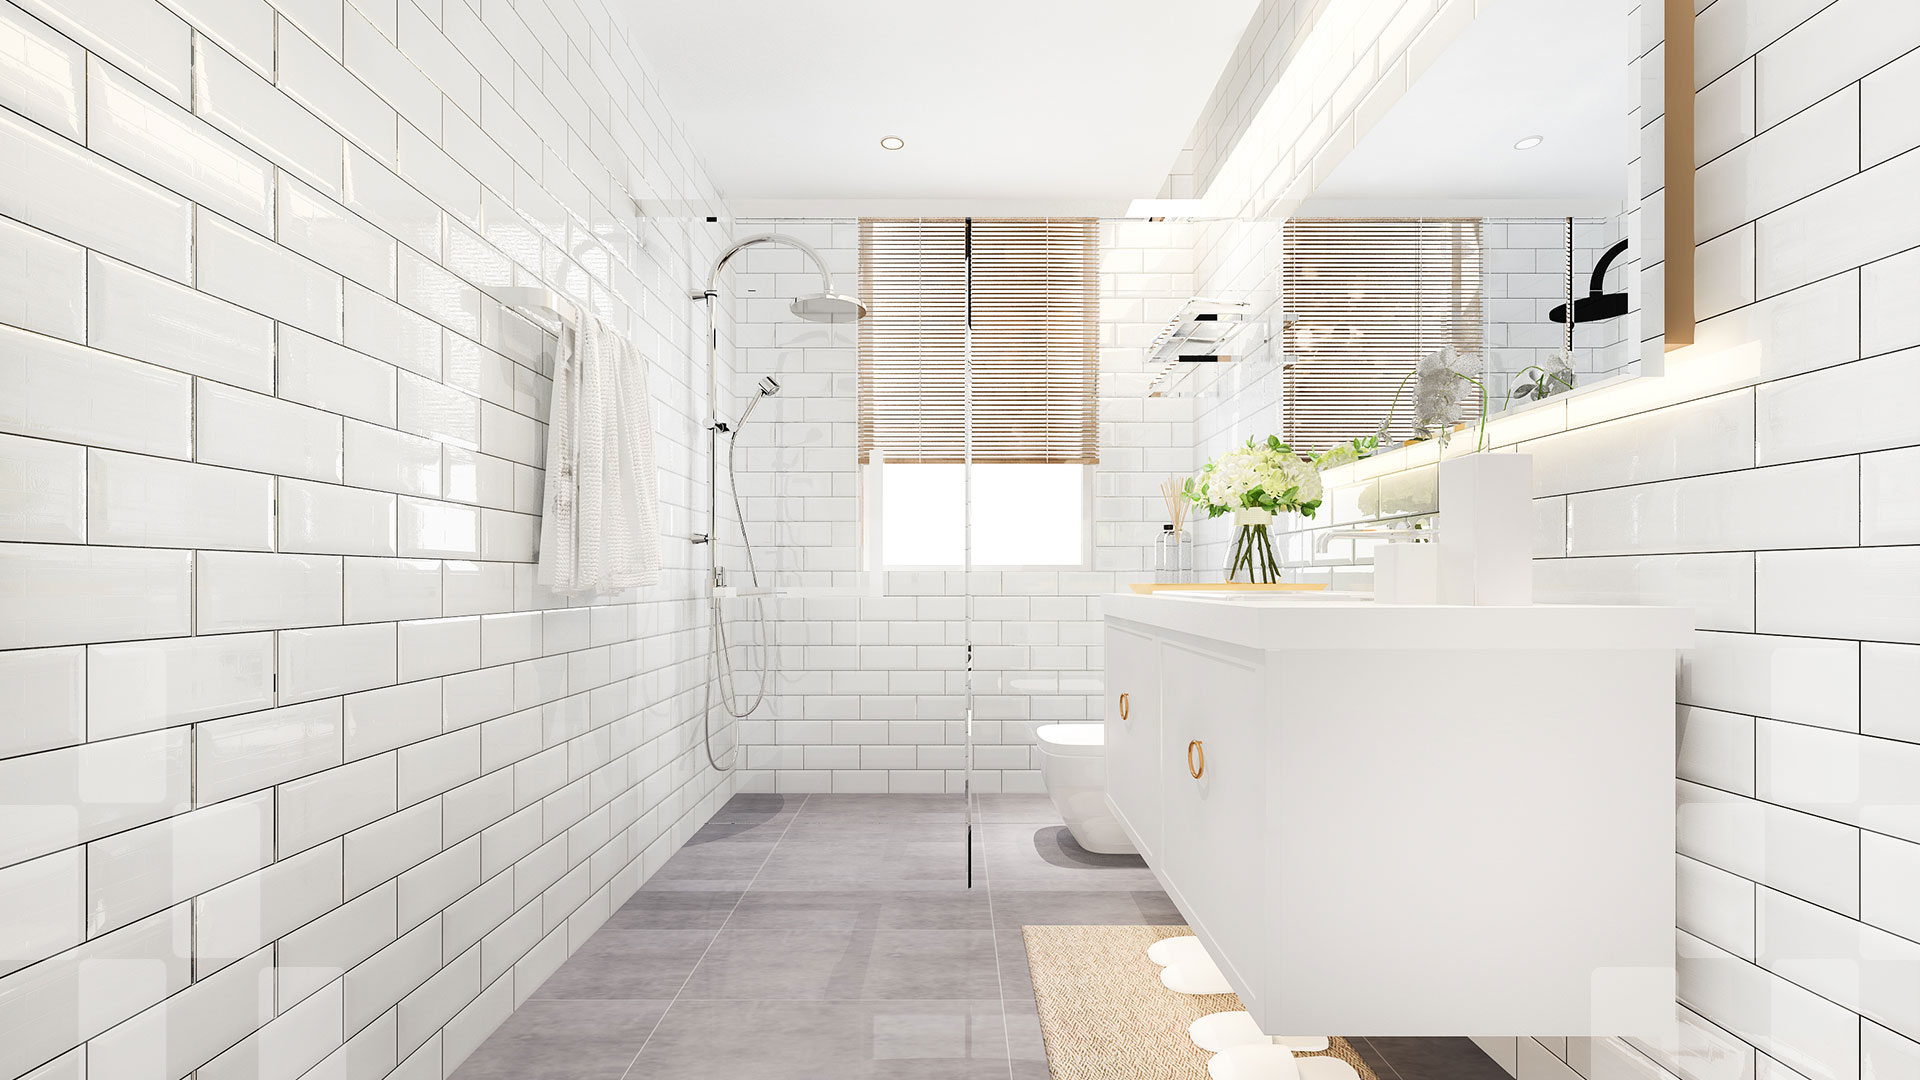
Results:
1326 538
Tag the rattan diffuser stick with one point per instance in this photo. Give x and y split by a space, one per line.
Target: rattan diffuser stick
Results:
1170 489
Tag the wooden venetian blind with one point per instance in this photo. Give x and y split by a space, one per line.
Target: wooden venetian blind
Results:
1029 288
1364 300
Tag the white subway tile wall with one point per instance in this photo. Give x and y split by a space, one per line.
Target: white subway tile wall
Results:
1766 483
868 692
286 714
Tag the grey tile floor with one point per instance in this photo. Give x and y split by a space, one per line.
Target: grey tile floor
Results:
833 936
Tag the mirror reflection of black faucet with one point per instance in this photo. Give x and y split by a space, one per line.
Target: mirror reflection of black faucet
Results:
1597 305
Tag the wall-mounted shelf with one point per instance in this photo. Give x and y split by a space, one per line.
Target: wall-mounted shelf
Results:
1199 333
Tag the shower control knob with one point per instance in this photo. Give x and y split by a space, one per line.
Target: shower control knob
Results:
702 538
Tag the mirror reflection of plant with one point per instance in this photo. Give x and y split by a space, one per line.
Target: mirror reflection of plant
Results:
1436 396
1542 382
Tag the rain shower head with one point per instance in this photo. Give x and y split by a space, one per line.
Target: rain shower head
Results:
828 307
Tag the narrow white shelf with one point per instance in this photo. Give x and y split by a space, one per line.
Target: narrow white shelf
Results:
1199 333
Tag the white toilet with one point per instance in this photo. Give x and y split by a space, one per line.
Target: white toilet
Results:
1073 765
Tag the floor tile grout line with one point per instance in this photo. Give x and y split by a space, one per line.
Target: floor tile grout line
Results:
628 1071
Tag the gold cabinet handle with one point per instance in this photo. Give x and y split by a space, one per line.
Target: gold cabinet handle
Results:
1123 706
1196 748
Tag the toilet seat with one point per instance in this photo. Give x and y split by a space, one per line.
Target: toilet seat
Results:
1072 740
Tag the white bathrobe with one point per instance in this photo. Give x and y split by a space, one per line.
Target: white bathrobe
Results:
600 525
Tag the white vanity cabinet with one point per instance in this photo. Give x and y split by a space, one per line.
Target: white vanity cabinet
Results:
1392 820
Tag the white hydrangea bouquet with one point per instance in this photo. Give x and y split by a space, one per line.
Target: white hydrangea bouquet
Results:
1254 482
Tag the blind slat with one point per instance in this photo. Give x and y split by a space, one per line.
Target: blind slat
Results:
1032 288
1364 301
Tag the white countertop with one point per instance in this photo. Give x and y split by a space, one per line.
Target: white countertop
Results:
1332 622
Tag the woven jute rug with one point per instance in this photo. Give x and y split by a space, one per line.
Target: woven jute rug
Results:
1105 1015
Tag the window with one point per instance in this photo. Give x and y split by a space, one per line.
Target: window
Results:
1364 300
981 340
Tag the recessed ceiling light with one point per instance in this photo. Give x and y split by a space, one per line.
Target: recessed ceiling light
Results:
1529 142
892 142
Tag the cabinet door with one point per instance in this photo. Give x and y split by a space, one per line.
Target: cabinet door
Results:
1134 773
1213 853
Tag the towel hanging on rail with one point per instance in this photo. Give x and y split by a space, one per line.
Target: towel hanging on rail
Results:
600 522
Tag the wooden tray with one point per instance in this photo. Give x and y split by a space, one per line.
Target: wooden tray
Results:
1146 587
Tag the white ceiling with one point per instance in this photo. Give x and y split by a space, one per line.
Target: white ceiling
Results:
1016 106
1556 68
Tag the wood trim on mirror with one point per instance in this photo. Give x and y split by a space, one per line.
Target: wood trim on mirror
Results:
1677 76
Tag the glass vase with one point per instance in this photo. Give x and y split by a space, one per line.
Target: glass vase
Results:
1252 560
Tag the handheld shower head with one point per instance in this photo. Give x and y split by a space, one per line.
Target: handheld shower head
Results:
769 387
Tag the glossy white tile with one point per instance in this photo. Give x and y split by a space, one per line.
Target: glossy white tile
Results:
1786 162
439 764
42 902
1717 586
1868 970
47 83
242 27
1885 128
1715 905
1716 749
1885 323
1803 680
317 372
1841 410
380 327
246 591
253 752
1890 884
75 394
323 950
1890 497
1814 858
1833 230
474 696
139 36
260 275
391 460
313 76
1724 512
240 102
371 55
1813 1035
392 717
375 193
43 279
1885 1055
378 852
438 412
389 975
435 647
331 519
475 588
43 495
1832 48
327 804
426 166
139 501
250 431
382 590
1870 593
48 689
163 141
135 873
435 292
1889 685
438 530
37 1005
98 789
428 888
335 660
189 1028
1871 783
288 1045
326 232
135 686
149 318
55 185
74 595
